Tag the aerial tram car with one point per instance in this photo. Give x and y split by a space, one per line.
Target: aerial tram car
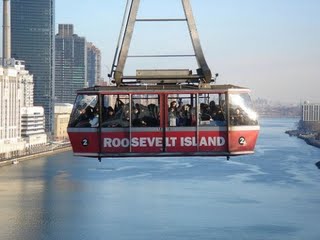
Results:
162 112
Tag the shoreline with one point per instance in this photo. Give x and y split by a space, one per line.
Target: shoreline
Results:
308 138
35 155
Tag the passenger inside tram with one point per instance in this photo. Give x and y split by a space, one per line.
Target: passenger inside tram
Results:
117 116
141 115
184 117
237 117
137 116
86 111
173 114
94 116
182 114
153 118
212 114
85 116
217 114
109 114
241 110
145 116
205 114
83 120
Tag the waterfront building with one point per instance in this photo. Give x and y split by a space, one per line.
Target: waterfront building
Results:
21 124
311 112
32 29
32 117
11 100
311 116
18 130
70 64
62 113
33 126
93 64
26 83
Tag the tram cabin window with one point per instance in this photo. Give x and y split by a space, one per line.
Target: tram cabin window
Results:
85 112
212 109
181 110
145 110
115 111
241 110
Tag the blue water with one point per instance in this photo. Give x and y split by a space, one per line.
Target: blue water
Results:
273 194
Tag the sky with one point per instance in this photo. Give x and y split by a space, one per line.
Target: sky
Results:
269 46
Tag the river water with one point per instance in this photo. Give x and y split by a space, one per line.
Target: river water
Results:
273 194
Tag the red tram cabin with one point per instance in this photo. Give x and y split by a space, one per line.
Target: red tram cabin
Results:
173 120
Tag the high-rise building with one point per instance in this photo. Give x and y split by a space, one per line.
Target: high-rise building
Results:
12 78
11 98
310 116
27 85
32 32
93 64
21 124
310 112
70 64
32 118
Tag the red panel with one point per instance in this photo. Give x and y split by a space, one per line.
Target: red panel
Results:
148 142
115 142
213 141
181 142
242 140
119 142
83 142
209 141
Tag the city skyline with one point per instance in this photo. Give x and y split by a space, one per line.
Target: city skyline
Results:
270 47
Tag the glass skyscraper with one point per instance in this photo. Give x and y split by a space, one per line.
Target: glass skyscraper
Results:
70 64
32 31
93 64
